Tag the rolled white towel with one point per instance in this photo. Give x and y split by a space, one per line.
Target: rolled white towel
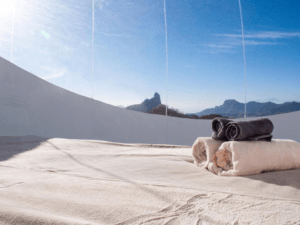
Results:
254 157
214 169
203 150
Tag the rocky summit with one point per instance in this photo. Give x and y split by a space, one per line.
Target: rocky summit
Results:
147 104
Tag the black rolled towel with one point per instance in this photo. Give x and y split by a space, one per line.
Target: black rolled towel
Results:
249 130
267 137
219 127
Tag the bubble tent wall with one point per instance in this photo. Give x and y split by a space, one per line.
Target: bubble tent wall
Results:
122 52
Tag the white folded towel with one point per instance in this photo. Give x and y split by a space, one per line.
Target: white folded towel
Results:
254 157
203 150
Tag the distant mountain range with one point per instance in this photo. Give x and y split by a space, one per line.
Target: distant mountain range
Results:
230 108
146 105
233 108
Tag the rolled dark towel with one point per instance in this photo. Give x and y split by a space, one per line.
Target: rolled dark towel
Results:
219 127
267 137
260 129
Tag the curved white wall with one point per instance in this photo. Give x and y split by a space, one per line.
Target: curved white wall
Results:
32 106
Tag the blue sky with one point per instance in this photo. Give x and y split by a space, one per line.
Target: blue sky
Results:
53 40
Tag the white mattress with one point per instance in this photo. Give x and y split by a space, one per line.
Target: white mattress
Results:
62 181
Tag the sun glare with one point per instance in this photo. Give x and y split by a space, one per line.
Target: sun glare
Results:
6 8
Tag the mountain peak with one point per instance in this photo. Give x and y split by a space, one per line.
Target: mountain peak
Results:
147 104
230 101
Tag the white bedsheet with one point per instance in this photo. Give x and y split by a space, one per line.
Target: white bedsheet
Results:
62 181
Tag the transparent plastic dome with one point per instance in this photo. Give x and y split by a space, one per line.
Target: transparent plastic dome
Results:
173 112
196 58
